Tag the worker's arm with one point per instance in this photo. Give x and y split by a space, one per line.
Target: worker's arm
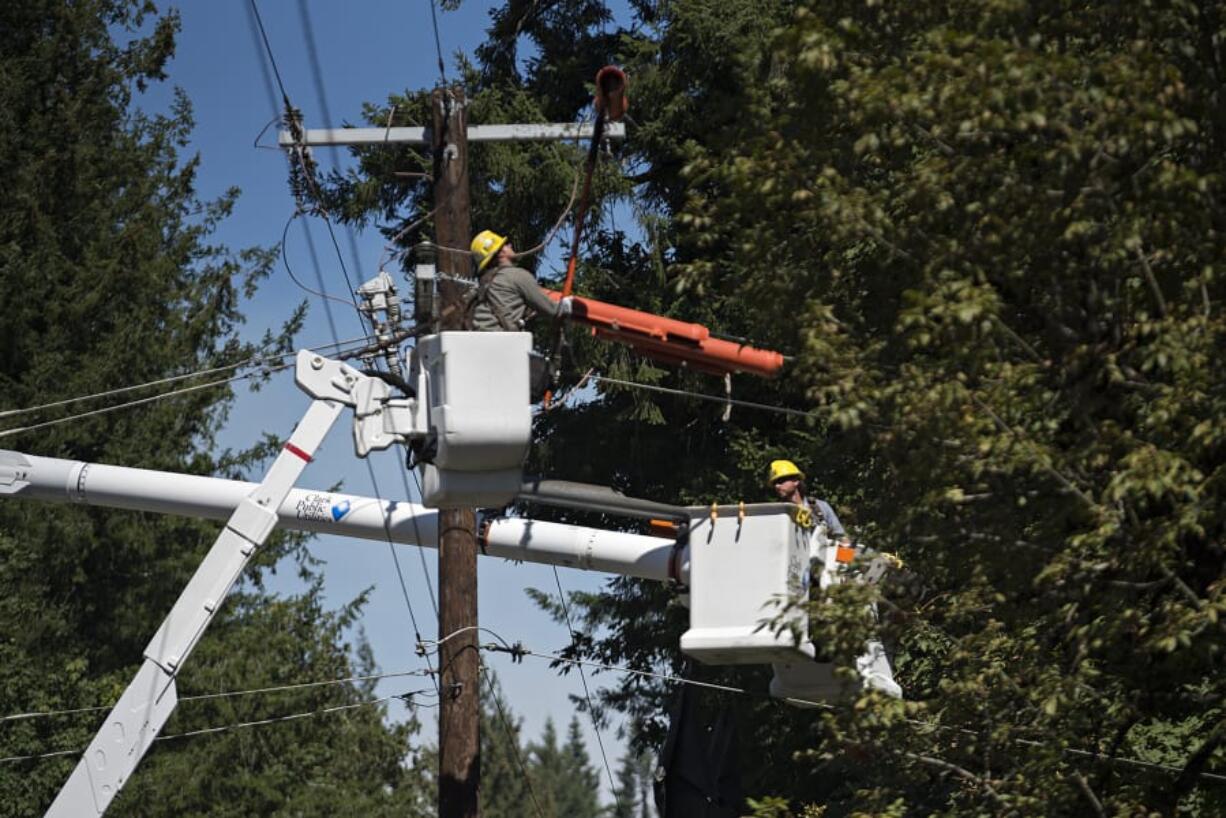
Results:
533 295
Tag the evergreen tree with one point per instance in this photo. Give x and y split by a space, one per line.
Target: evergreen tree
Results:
108 278
627 792
505 792
580 796
645 762
999 235
546 768
992 235
566 782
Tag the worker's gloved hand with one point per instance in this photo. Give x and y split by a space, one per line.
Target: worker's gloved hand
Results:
566 305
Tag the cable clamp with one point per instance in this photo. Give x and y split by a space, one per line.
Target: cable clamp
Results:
517 651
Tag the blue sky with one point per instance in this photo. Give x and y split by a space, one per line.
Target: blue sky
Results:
366 50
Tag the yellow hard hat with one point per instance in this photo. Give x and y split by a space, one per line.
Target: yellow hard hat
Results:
781 469
485 245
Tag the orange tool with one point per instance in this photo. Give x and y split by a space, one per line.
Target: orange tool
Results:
670 340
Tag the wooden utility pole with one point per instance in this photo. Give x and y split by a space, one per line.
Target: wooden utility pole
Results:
459 667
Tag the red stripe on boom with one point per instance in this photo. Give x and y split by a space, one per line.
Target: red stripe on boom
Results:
292 449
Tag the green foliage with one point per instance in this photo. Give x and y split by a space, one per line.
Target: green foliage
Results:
563 775
345 762
991 234
109 279
998 224
537 778
633 795
505 791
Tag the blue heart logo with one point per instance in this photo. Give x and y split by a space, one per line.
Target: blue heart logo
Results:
340 510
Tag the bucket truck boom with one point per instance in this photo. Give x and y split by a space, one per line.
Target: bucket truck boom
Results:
467 417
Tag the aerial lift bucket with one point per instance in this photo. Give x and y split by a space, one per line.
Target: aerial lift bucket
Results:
746 562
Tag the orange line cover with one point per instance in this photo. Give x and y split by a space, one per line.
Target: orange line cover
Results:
671 341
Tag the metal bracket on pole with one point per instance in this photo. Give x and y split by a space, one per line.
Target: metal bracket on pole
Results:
379 420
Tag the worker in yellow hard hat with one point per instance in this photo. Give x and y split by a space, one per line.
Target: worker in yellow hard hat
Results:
507 295
788 481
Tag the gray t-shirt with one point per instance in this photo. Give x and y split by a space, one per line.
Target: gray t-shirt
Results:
517 295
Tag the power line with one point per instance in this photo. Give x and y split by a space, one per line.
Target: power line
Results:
391 547
227 694
485 675
314 58
318 78
518 650
259 21
27 410
407 697
319 276
586 693
506 728
438 43
267 370
104 410
305 169
783 410
421 552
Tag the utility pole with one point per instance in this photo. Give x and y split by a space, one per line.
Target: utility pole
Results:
459 668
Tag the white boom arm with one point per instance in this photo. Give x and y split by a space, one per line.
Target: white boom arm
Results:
345 515
148 701
747 559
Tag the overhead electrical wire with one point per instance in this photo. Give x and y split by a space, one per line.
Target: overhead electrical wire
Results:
223 728
259 21
765 407
289 108
319 276
485 675
518 650
261 38
321 293
129 404
502 716
489 683
587 694
391 547
506 727
226 694
317 76
263 363
438 43
313 56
